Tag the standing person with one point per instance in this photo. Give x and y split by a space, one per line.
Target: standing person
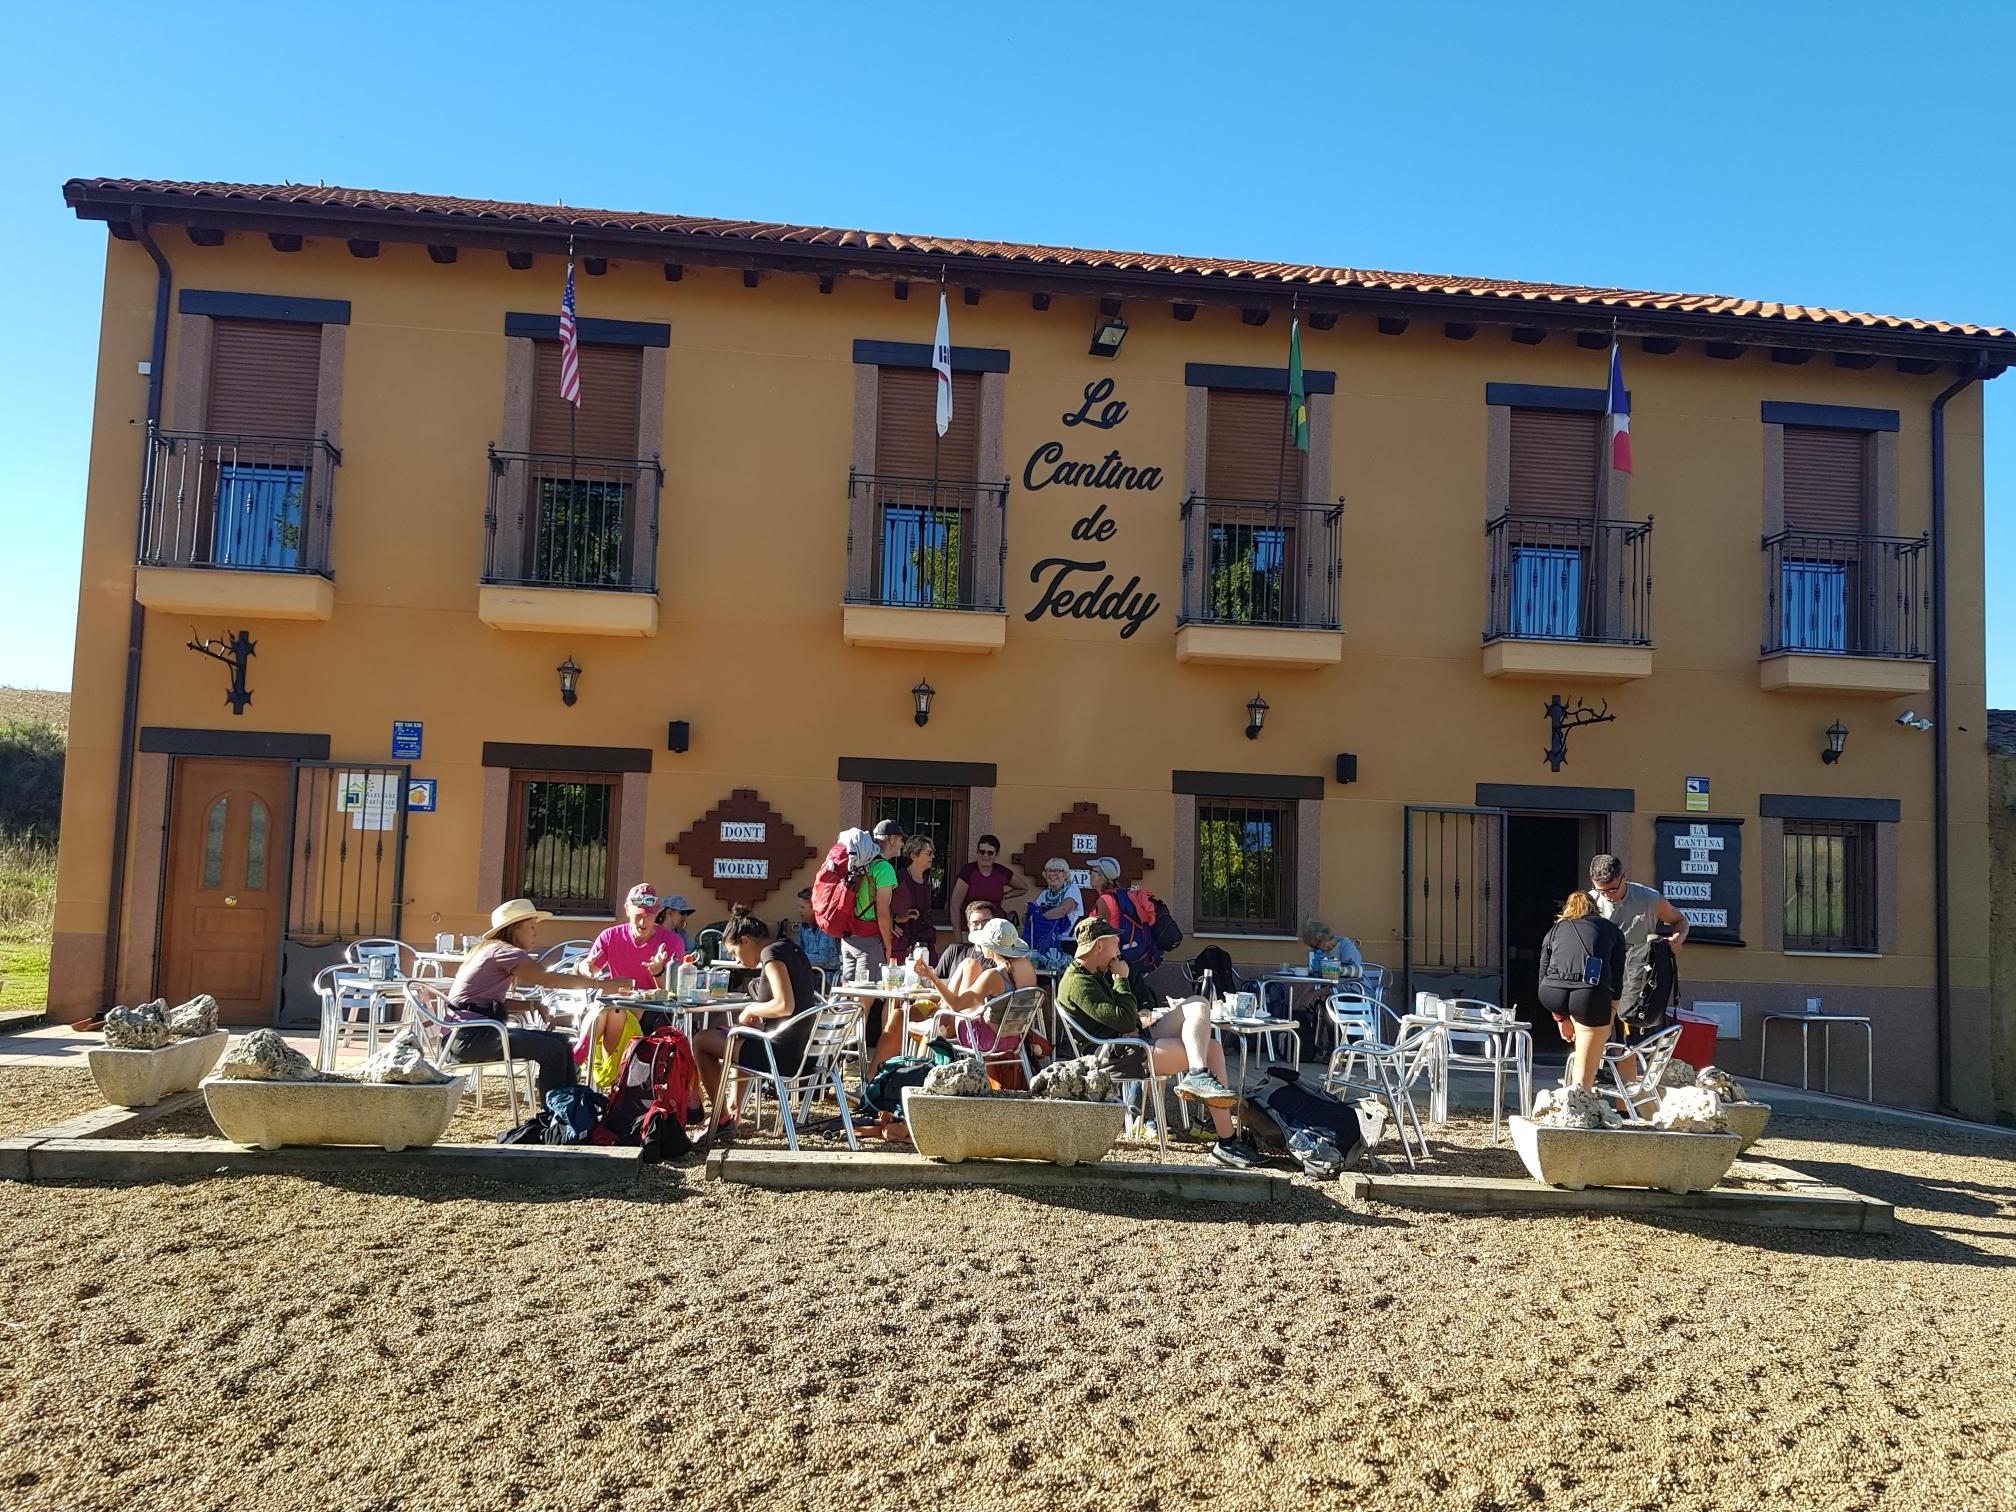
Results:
820 948
1635 909
782 989
873 940
482 990
1054 909
1117 905
1096 994
986 877
913 901
1581 978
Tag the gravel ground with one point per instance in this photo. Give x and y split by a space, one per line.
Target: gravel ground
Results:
260 1342
34 1097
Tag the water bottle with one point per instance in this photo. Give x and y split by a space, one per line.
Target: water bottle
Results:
686 982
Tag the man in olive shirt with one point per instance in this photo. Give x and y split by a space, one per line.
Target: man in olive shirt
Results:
1094 993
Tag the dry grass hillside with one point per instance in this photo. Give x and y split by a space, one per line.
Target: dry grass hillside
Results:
35 706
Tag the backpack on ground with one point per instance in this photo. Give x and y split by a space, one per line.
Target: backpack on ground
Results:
1323 1135
574 1116
657 1076
835 888
883 1092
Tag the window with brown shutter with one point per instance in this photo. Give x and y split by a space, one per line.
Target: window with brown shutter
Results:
1247 450
263 377
605 425
1554 461
1826 481
907 443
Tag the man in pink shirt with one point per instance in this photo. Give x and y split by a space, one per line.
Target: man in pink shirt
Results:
640 950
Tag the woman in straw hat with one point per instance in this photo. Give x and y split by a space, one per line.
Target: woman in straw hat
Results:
482 990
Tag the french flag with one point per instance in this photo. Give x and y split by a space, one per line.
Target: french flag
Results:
1620 414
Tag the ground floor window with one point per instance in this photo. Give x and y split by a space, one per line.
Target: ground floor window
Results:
1830 885
934 811
1245 866
563 841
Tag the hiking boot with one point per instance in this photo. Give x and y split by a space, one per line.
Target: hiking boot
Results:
1202 1086
1236 1152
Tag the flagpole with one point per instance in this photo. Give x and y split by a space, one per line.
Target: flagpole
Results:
1287 419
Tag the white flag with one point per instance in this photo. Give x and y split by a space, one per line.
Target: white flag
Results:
941 364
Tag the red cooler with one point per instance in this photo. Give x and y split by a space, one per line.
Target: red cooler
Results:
1697 1038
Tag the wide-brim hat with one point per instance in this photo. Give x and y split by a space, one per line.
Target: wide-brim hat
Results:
1001 937
516 911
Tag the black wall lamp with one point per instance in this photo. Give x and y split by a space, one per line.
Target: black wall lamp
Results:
1837 737
678 735
1256 716
922 695
569 675
1107 336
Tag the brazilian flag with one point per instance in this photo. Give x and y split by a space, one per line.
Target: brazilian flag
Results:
1298 401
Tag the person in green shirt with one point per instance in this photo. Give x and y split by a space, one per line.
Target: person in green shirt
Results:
862 954
1096 995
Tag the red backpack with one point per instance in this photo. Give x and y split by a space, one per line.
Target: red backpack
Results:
653 1098
833 893
1132 911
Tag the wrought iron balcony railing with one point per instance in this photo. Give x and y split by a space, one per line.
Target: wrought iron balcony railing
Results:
924 543
1848 595
1569 580
558 521
254 503
1258 562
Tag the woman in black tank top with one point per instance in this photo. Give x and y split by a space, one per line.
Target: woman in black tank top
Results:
1581 978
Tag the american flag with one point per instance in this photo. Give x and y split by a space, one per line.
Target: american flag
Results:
570 348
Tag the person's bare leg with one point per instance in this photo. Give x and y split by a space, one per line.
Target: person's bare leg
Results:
1169 1056
1587 1054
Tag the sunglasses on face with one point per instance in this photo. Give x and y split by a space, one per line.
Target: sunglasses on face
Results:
987 851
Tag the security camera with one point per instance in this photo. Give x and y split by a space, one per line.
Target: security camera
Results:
1908 717
1911 720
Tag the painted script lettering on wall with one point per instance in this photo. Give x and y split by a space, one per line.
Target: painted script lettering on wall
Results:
1073 587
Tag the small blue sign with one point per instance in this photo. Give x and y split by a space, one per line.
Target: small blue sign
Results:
405 740
420 793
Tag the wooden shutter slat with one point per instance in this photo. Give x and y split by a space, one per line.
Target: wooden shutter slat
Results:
1247 453
1554 463
1826 481
612 379
263 377
906 425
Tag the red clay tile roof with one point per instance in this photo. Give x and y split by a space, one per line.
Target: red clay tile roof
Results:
255 198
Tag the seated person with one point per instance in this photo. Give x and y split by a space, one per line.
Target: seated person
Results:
958 966
1096 996
482 990
1057 906
1001 965
782 988
820 948
1327 949
978 912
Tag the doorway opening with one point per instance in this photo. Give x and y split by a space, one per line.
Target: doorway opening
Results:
1546 858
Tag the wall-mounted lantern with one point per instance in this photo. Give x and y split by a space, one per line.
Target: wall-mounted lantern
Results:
921 695
1256 716
569 676
1107 335
1837 737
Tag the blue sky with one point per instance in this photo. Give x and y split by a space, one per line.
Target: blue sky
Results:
1839 154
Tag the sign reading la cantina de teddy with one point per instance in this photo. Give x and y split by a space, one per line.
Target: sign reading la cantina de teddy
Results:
1082 587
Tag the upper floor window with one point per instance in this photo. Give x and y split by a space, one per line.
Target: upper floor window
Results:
263 378
907 443
1248 453
1826 481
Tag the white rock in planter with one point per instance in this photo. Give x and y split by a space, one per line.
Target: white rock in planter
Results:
1085 1079
1575 1108
400 1062
268 1114
1640 1157
1690 1110
142 1028
1722 1084
197 1016
1011 1127
959 1078
263 1055
141 1078
1677 1073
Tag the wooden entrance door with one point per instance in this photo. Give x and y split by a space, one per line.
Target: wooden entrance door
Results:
227 886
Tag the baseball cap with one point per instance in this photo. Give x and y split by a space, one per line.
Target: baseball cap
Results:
1107 867
887 829
678 904
643 895
1088 932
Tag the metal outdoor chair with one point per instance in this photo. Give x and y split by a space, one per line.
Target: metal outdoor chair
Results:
1151 1090
436 1032
1654 1054
351 1003
829 1046
401 960
1390 1074
1357 1025
1481 1037
997 1032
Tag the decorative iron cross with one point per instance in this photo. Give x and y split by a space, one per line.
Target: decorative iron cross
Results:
1563 718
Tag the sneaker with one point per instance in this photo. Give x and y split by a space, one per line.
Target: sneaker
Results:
1202 1086
1236 1152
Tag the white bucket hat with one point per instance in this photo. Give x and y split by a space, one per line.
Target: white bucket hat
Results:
1001 937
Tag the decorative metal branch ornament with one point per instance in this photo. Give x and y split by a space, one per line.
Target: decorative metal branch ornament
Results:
1564 718
234 653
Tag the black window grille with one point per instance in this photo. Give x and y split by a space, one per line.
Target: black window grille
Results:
1830 885
937 812
563 829
1245 867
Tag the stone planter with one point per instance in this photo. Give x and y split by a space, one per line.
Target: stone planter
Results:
269 1114
1002 1127
1746 1121
141 1078
1578 1158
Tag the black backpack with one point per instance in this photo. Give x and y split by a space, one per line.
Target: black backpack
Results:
571 1114
1167 935
1662 987
1320 1133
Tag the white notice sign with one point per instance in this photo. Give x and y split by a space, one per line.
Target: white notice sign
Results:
1689 892
1084 845
1697 842
742 866
742 832
1707 918
367 797
1700 868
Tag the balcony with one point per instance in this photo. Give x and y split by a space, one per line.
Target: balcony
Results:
1568 599
1846 614
1260 584
924 564
237 526
570 544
